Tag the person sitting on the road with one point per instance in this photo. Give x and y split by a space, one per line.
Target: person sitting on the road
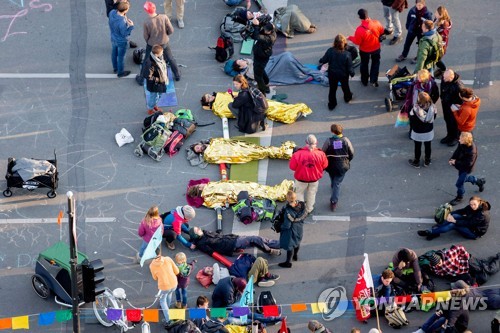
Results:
246 265
407 274
454 319
452 264
175 223
210 242
471 221
228 291
382 284
490 296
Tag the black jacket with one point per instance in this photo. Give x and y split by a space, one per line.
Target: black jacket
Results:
450 91
154 80
225 293
339 152
248 120
339 62
465 158
263 47
412 24
476 220
212 242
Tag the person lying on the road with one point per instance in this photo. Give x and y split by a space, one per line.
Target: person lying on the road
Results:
210 242
491 296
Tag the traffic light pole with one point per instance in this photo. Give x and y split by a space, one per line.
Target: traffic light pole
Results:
73 261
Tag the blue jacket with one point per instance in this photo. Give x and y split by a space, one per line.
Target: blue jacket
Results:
411 20
225 294
119 28
175 221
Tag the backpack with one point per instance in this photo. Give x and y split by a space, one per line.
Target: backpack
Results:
155 135
212 326
395 316
233 26
265 209
224 49
265 298
184 114
138 55
442 213
278 221
243 209
437 49
149 120
174 143
259 100
182 326
184 126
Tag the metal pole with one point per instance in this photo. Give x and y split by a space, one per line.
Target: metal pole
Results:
73 261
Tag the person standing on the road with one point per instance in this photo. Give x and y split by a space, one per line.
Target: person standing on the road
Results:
442 22
367 36
167 4
120 27
428 53
292 216
463 159
466 114
422 117
339 152
154 71
157 29
308 164
164 270
451 85
416 15
262 51
392 8
339 68
147 228
113 4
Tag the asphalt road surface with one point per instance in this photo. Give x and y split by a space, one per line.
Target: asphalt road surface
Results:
58 93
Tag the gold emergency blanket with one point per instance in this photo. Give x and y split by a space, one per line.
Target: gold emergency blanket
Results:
238 152
218 193
277 111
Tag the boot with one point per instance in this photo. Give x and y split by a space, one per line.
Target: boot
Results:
480 183
178 305
414 163
456 201
295 251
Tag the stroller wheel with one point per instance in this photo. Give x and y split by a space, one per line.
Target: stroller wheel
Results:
40 286
7 193
51 194
388 104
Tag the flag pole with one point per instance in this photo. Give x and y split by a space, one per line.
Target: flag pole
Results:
376 309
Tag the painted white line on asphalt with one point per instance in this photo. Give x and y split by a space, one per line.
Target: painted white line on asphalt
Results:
331 218
54 220
400 219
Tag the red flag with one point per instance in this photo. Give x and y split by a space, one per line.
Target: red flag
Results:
362 291
283 328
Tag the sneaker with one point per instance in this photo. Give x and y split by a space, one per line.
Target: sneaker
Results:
414 163
431 236
400 58
480 182
331 106
285 264
180 23
423 233
456 201
427 163
275 252
374 84
125 73
170 246
270 276
395 40
157 109
265 283
333 206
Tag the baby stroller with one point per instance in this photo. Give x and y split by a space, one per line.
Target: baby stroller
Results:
399 81
30 174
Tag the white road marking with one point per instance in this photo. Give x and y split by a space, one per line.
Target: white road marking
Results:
400 219
54 220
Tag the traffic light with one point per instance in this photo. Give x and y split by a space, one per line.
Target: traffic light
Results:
92 277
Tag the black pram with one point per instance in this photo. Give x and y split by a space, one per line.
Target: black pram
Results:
30 174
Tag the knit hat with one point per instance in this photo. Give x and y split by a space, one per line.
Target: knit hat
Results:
240 284
363 14
434 259
315 326
149 7
192 234
188 212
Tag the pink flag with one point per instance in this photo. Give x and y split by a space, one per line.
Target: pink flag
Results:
362 291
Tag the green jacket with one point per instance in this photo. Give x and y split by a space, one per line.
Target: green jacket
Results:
429 50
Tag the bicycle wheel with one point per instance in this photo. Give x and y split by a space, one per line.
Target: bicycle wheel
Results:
101 305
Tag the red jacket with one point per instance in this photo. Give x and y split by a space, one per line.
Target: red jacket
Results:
367 35
466 115
308 164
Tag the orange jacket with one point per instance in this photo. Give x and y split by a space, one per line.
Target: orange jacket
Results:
164 270
367 35
466 115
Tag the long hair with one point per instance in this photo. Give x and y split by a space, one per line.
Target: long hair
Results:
339 42
151 215
443 12
241 79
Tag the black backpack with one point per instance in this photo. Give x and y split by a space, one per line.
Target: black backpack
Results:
224 48
265 298
278 221
149 120
259 100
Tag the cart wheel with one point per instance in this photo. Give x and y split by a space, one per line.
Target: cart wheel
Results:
40 286
101 305
52 194
388 104
7 193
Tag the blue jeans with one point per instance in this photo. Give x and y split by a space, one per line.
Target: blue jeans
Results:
447 226
264 244
118 50
374 69
335 180
143 248
433 323
464 177
153 97
181 295
165 299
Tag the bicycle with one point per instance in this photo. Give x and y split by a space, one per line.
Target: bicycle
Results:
114 300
